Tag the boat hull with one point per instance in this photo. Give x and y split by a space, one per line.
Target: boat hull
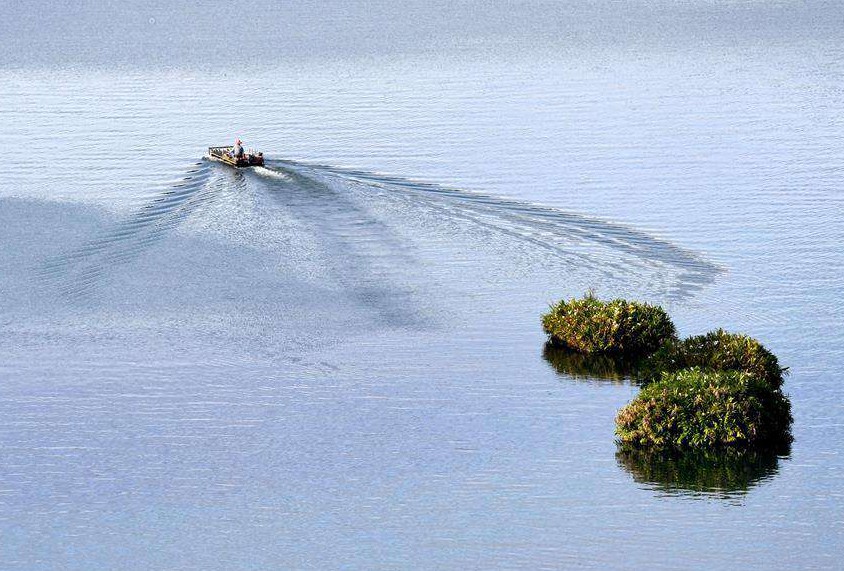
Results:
226 155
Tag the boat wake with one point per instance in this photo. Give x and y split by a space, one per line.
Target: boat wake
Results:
363 256
354 219
78 270
609 251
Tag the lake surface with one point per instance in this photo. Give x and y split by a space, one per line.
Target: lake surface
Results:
336 360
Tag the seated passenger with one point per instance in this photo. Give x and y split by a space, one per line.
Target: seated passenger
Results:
238 149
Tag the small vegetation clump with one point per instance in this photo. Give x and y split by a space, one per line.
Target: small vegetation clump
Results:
699 409
708 393
715 351
617 327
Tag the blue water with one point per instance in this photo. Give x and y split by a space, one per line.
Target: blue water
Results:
336 360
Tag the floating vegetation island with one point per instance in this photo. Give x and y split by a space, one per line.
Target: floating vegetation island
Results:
715 351
695 408
719 391
618 327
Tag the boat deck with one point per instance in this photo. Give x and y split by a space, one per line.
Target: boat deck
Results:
226 155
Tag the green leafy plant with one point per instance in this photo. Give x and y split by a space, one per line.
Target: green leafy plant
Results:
715 351
700 409
619 327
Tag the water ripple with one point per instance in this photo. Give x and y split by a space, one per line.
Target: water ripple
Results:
78 270
613 250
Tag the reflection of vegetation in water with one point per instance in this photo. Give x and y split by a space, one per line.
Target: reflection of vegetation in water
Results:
588 366
719 474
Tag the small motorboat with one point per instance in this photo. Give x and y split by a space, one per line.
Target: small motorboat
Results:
226 155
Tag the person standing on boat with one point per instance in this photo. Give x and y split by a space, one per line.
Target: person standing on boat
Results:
238 149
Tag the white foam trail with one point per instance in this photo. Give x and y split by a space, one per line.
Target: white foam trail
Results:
271 173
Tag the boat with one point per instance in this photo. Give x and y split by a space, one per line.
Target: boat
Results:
226 155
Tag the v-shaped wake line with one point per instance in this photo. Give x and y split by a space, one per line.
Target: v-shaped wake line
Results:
610 249
602 251
76 271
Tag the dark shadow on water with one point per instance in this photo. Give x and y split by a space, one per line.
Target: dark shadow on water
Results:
76 272
590 367
723 474
361 252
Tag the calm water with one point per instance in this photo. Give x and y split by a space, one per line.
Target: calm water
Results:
336 361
